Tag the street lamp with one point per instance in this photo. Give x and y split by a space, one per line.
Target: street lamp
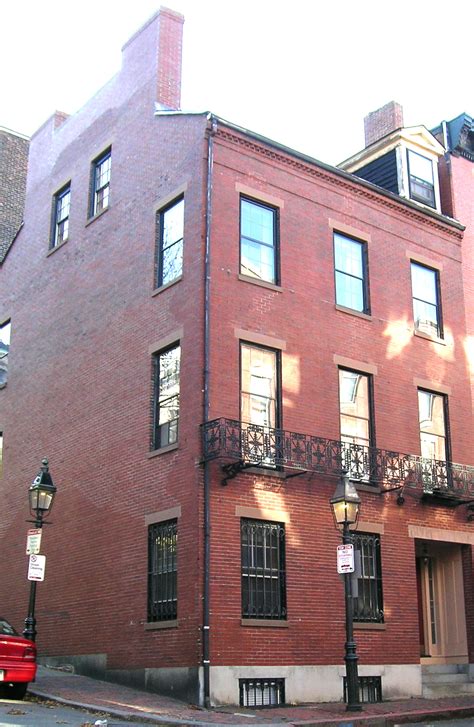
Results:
41 496
346 504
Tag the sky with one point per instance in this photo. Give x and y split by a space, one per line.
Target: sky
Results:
301 72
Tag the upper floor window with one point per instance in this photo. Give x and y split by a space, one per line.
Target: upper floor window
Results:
350 262
101 182
367 596
162 571
433 430
421 180
5 331
1 455
258 240
170 226
426 307
355 418
61 207
166 398
263 569
260 390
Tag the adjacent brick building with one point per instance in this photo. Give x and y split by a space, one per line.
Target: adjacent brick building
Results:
206 329
13 167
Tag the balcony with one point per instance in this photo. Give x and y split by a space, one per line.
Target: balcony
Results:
240 446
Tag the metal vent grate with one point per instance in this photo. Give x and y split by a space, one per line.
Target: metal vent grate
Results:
261 692
370 689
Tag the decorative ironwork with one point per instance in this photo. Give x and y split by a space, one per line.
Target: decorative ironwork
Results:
370 690
261 692
250 445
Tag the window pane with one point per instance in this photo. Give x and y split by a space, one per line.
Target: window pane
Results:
421 167
349 273
432 425
5 331
354 393
173 224
257 240
263 574
257 222
259 386
172 265
162 571
424 283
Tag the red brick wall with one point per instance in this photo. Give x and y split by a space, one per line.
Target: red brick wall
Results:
13 167
302 313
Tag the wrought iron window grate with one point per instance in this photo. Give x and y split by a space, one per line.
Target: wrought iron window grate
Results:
261 692
162 571
370 690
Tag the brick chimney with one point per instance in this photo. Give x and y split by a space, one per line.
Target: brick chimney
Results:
383 121
170 48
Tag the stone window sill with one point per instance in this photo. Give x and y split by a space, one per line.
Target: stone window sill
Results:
162 450
156 625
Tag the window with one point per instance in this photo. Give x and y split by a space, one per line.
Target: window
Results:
426 307
170 224
162 571
263 569
101 183
420 174
258 241
5 330
260 386
1 455
166 408
350 261
433 417
367 594
61 207
356 422
261 692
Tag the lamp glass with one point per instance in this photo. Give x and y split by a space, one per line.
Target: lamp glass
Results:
41 498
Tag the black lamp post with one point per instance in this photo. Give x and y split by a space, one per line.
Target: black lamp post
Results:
346 504
41 496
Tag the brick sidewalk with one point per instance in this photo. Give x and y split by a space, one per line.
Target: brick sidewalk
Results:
129 703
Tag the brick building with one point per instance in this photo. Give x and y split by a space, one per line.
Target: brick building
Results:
206 328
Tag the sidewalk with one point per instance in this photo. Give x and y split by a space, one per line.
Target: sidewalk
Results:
130 704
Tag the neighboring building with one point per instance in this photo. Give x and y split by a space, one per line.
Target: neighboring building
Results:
13 168
206 328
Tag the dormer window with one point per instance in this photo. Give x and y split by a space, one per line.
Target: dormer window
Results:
420 174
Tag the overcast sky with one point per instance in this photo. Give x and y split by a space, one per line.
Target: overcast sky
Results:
302 72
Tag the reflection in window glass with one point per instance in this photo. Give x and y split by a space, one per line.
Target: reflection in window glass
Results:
171 233
5 331
432 425
259 386
421 178
426 313
167 384
258 241
349 260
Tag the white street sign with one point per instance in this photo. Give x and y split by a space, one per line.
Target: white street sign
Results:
33 541
36 567
345 558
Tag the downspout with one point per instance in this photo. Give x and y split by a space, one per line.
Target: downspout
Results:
211 130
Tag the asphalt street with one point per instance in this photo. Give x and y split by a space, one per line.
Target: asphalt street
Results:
48 714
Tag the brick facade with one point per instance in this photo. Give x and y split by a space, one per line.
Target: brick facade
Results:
13 167
86 320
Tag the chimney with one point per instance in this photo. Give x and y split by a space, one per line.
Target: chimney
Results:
382 122
170 48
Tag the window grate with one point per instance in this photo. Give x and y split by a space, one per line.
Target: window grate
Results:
370 690
261 692
162 571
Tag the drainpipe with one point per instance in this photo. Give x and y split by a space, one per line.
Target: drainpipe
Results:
212 126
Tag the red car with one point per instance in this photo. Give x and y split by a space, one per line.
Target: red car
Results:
17 662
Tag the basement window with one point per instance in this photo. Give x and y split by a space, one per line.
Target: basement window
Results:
370 690
261 692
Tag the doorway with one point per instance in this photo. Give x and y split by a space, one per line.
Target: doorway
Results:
441 607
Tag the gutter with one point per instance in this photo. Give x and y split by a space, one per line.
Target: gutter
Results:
211 130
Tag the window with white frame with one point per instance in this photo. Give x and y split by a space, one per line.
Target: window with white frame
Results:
258 240
350 269
426 304
421 179
170 233
100 197
61 209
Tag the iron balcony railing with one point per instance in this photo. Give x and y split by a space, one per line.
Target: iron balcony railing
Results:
243 445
